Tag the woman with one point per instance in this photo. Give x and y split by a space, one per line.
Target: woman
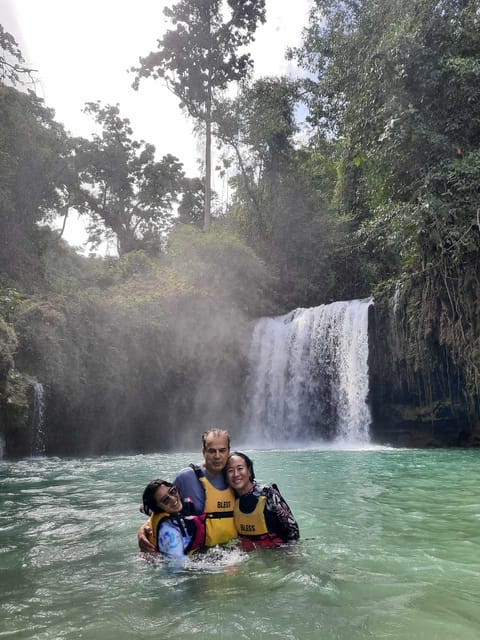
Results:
173 534
262 517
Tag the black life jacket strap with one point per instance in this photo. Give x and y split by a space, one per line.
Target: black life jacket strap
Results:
198 470
180 522
222 514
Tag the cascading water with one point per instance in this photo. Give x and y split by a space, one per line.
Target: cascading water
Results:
38 420
309 376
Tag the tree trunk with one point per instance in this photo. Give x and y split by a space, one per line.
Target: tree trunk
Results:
208 161
65 211
208 134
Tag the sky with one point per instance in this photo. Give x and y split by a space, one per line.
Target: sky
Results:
82 50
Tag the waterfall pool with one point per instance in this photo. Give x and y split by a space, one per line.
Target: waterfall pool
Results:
390 549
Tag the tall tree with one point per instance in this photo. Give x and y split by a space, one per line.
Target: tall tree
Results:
127 192
201 56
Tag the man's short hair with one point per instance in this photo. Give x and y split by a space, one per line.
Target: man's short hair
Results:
217 433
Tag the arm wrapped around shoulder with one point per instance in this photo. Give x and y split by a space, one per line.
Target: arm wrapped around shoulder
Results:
146 543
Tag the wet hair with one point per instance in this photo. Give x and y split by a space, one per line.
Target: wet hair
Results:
216 433
247 460
149 503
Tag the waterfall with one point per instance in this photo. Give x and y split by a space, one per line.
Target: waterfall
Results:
38 420
308 377
395 299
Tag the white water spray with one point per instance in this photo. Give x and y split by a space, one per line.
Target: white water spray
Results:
309 376
38 420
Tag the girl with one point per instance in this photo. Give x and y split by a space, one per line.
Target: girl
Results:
173 533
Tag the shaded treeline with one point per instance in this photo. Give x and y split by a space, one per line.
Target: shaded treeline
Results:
376 193
145 355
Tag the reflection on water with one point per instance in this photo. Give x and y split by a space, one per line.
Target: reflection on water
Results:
390 549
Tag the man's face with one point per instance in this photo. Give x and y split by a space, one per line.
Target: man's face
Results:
215 452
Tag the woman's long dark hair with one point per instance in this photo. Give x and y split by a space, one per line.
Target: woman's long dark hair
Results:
149 503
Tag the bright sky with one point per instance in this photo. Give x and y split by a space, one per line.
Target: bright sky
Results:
82 50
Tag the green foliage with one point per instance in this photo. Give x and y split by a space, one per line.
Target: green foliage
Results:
397 83
8 343
260 118
14 412
129 194
384 190
33 161
117 350
219 263
10 301
396 86
35 173
281 201
191 207
13 385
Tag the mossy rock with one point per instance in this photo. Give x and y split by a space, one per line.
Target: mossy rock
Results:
8 345
15 414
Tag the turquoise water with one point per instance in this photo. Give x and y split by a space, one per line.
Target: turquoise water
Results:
390 549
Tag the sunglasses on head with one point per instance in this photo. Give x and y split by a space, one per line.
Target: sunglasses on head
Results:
169 497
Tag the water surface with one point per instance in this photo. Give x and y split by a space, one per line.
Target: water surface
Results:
390 549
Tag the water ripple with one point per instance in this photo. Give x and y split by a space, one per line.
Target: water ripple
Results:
390 549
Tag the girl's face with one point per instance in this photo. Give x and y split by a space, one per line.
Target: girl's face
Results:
168 499
238 475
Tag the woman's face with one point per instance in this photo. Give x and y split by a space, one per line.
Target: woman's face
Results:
168 499
238 475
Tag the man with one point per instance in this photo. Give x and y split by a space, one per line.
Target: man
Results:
207 488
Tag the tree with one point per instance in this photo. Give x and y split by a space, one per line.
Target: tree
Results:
12 64
36 177
201 56
258 126
127 192
279 203
36 168
397 88
396 85
192 205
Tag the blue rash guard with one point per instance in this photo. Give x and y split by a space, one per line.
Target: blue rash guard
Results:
170 539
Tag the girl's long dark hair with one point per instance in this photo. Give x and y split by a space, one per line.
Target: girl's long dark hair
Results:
149 503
